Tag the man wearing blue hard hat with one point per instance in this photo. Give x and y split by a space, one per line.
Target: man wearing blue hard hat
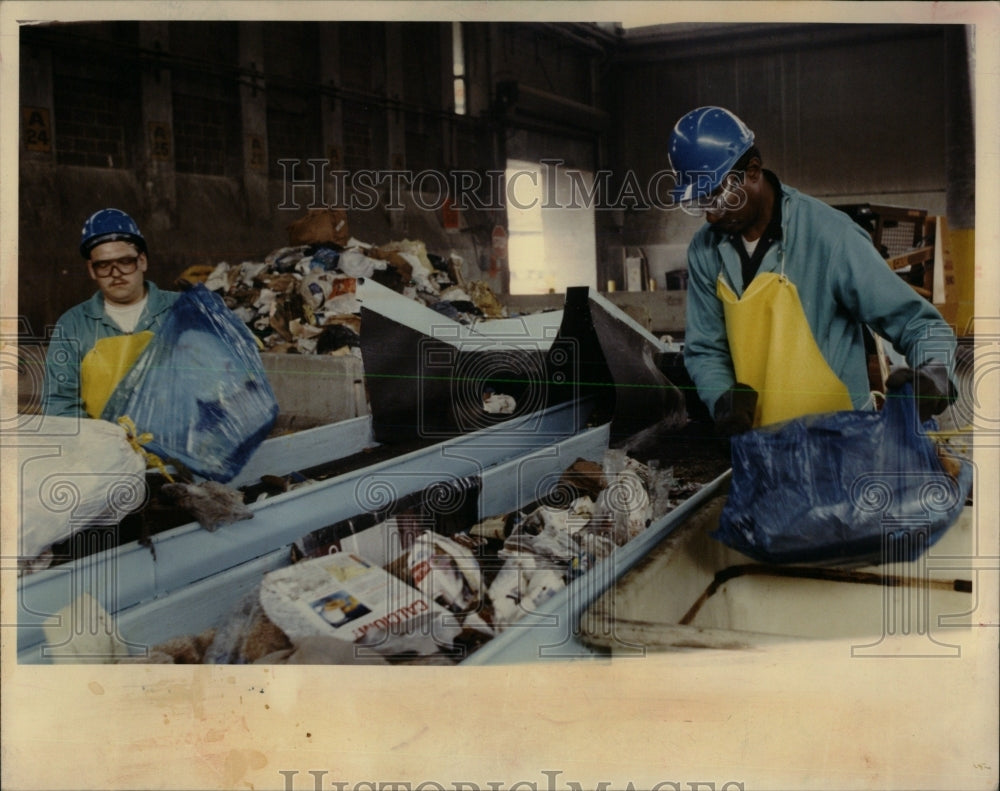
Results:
95 342
780 289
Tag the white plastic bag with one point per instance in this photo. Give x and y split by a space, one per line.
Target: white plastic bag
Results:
76 472
356 264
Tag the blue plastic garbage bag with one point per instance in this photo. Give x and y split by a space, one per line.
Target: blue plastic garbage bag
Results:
199 388
841 487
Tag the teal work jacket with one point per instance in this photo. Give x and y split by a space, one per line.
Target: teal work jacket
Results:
75 334
843 284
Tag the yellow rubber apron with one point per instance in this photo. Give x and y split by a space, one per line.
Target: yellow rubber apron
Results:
774 351
103 367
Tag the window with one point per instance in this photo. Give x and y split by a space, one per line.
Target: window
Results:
206 129
96 112
458 66
550 222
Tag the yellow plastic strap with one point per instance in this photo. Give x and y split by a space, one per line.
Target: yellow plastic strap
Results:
137 440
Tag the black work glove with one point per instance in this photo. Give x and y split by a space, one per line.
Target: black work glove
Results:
931 387
735 409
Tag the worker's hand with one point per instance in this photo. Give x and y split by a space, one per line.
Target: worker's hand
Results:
931 387
735 409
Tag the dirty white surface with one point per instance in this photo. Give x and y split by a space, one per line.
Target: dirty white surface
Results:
691 590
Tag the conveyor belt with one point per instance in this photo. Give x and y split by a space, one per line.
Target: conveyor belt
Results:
121 577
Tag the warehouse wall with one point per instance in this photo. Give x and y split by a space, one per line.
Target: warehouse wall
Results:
846 113
185 125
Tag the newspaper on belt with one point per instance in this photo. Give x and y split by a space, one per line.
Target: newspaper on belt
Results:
343 596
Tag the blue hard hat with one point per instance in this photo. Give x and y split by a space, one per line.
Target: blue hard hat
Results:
704 145
109 225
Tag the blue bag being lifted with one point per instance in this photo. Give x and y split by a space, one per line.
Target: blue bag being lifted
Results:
842 487
199 388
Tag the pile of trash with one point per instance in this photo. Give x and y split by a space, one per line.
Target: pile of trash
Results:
448 587
302 298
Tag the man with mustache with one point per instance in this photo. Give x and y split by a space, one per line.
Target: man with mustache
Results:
95 342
